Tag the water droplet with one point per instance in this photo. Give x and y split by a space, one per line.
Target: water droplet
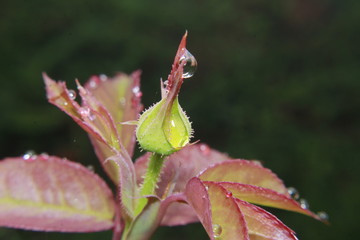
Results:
217 230
304 203
136 91
229 194
93 83
92 117
44 156
72 94
323 216
29 155
293 192
190 64
207 188
103 77
91 168
84 111
61 101
205 149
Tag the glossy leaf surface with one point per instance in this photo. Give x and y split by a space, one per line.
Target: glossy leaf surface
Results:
217 210
265 197
52 194
263 225
245 172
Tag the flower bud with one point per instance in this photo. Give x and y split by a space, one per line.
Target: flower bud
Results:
163 131
164 128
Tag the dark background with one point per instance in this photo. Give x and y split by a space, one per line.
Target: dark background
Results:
277 81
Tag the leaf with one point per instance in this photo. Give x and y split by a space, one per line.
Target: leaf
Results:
128 193
217 211
178 169
245 172
121 97
263 224
105 104
265 197
146 222
52 194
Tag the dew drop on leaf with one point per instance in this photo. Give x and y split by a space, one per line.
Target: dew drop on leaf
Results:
93 84
293 192
136 91
29 155
103 77
91 168
217 230
228 194
72 94
190 64
84 111
304 203
323 216
44 156
205 149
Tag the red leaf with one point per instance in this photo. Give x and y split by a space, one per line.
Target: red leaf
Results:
217 210
53 194
104 105
245 172
121 97
265 197
263 224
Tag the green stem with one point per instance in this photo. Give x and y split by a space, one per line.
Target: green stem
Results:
152 175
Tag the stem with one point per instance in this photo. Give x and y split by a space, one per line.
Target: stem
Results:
156 162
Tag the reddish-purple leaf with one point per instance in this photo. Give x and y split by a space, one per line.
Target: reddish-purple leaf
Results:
246 172
121 97
217 210
263 225
198 198
265 197
98 116
52 194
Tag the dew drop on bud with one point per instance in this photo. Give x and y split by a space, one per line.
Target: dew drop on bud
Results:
217 230
304 203
29 155
323 216
190 64
72 94
293 192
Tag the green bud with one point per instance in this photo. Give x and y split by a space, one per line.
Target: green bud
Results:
164 129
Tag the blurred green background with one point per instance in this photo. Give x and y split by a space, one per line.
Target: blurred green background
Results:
277 81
